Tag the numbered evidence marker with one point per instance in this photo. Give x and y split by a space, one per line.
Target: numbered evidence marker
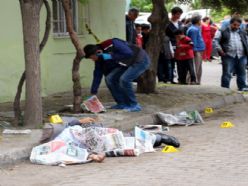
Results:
209 110
55 119
169 149
227 124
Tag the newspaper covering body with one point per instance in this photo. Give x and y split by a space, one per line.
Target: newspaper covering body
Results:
75 143
58 152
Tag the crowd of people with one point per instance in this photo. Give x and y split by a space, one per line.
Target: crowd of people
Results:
187 43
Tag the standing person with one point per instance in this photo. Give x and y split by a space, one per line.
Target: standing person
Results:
184 56
194 32
164 61
214 29
187 25
139 36
120 63
133 13
145 34
207 38
226 22
232 46
174 25
246 25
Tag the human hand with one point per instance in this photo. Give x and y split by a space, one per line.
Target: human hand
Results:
97 157
87 120
221 53
105 56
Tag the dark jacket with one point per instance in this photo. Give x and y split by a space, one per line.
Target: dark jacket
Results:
145 40
170 32
166 48
225 38
130 31
123 55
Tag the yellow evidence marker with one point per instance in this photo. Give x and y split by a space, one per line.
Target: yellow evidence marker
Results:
227 124
169 149
55 119
209 110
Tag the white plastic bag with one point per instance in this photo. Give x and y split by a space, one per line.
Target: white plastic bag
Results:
183 118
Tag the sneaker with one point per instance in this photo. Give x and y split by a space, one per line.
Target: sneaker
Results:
134 108
118 106
244 89
173 82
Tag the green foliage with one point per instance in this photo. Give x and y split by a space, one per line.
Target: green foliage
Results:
196 4
223 6
146 5
142 5
83 1
233 5
169 5
218 16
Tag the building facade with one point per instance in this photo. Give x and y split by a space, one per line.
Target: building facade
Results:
106 18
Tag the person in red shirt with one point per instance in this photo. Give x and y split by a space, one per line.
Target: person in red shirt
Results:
207 37
184 55
139 37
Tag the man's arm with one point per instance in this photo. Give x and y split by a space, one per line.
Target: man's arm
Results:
129 32
216 41
97 78
192 33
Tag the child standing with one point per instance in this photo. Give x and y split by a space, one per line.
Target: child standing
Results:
184 55
139 37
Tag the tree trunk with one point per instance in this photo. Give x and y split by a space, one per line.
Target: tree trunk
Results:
16 105
158 19
76 62
30 10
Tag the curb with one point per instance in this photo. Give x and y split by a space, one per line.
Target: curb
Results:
22 153
215 103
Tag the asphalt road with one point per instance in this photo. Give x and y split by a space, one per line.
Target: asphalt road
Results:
209 156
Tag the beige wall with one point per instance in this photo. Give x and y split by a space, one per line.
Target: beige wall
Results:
106 20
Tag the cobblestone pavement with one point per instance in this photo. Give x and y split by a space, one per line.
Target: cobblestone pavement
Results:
209 156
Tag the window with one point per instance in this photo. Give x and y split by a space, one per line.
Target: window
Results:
80 16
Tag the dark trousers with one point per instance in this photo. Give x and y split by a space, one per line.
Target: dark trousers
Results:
184 67
228 65
164 71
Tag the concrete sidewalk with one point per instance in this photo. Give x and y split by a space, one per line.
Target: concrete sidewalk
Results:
169 99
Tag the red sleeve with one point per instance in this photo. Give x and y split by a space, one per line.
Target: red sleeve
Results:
186 43
106 44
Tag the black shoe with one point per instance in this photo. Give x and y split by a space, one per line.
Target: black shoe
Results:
169 140
165 81
173 82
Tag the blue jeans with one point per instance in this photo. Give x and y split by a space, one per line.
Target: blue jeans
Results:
119 82
228 65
